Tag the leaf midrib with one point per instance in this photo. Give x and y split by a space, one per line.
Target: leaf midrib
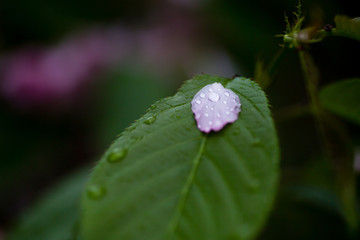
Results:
174 222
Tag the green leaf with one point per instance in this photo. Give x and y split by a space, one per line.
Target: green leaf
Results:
343 98
164 179
53 217
347 27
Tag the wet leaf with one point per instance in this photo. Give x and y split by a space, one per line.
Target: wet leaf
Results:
176 182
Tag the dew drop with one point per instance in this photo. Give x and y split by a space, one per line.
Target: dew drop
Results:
197 116
117 155
210 123
227 94
206 115
199 126
212 109
227 112
210 90
224 102
150 120
95 191
202 95
214 97
198 101
256 142
207 107
254 185
218 115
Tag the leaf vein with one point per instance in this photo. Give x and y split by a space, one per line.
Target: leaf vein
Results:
174 222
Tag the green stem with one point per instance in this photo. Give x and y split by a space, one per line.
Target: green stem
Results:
334 142
264 76
273 66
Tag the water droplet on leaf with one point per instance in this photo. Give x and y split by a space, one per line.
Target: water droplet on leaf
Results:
95 192
236 132
254 185
150 120
117 155
256 142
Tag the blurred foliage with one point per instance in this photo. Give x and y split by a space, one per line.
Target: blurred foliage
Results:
348 27
55 215
342 97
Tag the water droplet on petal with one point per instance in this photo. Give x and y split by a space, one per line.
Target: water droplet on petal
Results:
212 109
117 155
206 115
227 94
256 142
214 97
150 120
254 185
227 112
210 123
202 95
225 102
95 191
218 115
210 90
198 101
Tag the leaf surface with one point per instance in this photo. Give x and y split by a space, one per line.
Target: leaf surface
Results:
343 98
347 27
164 179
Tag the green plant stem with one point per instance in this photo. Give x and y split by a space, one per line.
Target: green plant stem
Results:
334 142
264 76
273 66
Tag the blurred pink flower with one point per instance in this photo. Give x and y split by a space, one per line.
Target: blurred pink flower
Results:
36 76
46 77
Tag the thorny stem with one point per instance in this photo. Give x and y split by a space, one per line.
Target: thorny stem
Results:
333 139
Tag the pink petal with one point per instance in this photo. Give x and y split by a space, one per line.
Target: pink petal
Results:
215 106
